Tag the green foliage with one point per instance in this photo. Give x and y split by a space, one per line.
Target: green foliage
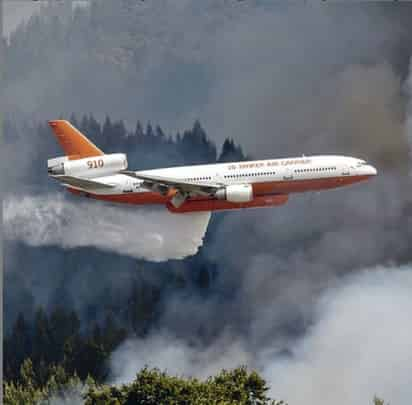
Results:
152 387
378 401
28 391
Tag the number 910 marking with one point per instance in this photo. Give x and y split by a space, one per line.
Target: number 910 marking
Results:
95 164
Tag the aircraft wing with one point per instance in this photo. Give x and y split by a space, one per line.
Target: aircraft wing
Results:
186 188
81 184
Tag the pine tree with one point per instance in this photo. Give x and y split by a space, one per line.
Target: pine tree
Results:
139 130
41 337
84 125
231 152
149 130
112 334
118 132
106 131
17 347
159 132
73 120
63 325
94 130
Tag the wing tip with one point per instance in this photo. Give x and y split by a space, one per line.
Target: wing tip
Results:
54 123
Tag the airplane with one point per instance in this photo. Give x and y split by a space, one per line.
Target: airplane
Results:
86 170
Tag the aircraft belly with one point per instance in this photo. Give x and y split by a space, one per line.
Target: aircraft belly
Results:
198 205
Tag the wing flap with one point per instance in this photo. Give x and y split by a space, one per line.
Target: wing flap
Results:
82 184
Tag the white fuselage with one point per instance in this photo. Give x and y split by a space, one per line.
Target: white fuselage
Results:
290 170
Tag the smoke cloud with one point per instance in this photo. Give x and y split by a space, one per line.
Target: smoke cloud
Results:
155 235
358 346
176 356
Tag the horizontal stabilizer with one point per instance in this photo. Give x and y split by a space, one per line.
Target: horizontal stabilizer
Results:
82 184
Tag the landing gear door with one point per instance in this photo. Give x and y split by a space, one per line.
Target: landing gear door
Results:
218 178
128 186
288 173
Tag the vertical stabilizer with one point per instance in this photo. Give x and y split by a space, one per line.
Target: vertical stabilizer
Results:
72 141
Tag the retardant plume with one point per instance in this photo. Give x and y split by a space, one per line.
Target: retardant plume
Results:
51 219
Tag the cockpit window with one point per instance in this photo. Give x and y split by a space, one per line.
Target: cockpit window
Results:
361 163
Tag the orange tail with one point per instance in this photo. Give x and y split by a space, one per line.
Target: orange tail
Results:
72 141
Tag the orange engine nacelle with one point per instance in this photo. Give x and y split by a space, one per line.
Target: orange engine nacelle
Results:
196 205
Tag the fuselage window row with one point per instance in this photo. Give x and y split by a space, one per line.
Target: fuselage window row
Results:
233 176
316 169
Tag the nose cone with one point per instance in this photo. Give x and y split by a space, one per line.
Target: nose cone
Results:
371 171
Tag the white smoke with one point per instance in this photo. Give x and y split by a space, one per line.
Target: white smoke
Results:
52 219
359 346
73 396
176 356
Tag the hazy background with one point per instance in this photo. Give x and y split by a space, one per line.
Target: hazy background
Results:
316 294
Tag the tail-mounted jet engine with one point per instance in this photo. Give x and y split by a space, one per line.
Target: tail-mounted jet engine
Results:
89 167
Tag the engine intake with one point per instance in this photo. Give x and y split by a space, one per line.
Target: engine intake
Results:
237 193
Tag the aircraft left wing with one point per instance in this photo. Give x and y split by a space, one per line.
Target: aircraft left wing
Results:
184 188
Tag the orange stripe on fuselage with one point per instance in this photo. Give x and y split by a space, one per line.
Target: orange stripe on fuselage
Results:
302 185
